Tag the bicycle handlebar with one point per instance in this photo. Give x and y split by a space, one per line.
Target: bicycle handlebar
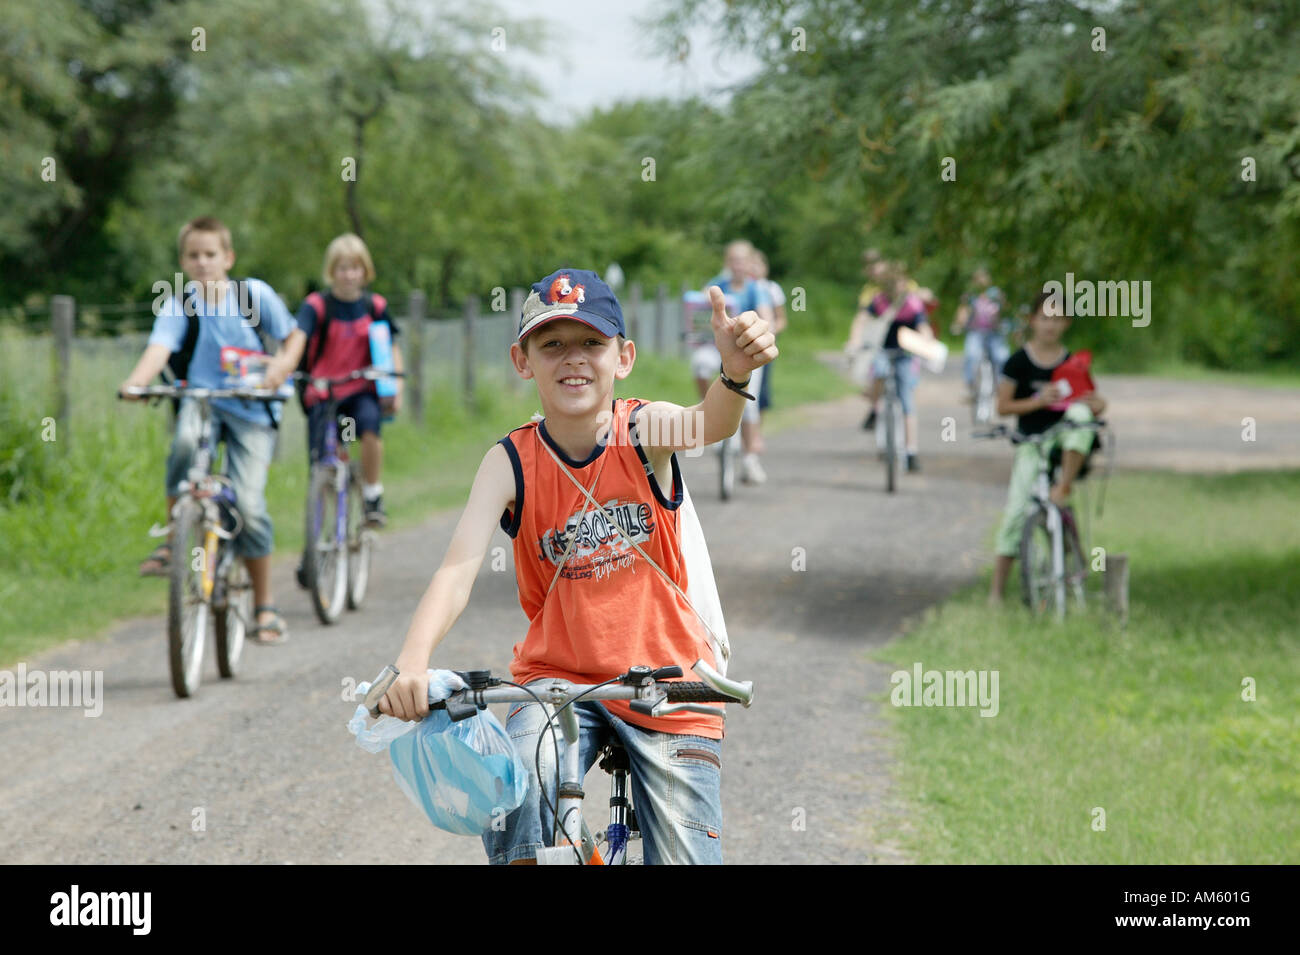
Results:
187 391
369 373
642 686
1019 437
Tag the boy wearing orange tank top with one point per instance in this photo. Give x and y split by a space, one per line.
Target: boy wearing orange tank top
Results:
594 605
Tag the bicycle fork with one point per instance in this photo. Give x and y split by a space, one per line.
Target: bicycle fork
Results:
1057 533
570 828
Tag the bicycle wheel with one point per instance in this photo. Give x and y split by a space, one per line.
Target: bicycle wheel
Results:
359 542
891 447
726 468
1037 581
324 562
982 406
230 623
187 606
1076 569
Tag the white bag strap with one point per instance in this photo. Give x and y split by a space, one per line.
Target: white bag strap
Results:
585 510
637 547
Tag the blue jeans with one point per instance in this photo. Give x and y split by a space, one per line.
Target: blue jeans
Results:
363 408
675 787
248 458
906 377
981 343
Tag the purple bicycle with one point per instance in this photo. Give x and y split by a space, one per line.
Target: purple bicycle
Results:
336 540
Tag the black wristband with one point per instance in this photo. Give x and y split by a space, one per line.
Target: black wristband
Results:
737 386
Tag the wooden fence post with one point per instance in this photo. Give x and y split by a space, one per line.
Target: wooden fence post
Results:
683 322
632 314
63 319
471 310
661 318
512 333
414 365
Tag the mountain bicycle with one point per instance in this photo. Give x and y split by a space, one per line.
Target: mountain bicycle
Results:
336 541
205 578
1053 571
652 692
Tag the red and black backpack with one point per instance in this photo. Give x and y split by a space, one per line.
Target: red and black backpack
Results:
325 306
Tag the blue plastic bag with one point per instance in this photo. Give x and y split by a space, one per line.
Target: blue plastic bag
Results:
462 776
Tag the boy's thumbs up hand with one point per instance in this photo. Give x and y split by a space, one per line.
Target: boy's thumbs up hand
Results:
744 342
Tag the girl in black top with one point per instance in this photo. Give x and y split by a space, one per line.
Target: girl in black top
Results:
1027 390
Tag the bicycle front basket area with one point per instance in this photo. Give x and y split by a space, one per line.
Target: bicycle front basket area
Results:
463 775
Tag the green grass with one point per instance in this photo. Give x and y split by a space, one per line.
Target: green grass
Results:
1147 723
74 511
1280 376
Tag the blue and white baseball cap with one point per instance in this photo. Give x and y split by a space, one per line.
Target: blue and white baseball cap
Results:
572 293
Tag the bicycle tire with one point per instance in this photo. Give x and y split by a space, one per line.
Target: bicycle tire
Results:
1036 562
359 544
324 562
726 470
230 621
187 609
1076 568
891 448
982 406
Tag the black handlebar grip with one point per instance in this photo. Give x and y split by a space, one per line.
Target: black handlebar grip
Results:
460 711
644 707
694 693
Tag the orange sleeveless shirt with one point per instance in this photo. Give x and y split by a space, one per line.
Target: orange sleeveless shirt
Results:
609 609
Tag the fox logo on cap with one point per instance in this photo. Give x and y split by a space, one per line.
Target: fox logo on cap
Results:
572 293
563 290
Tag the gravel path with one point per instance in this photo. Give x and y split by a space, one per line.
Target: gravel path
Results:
262 770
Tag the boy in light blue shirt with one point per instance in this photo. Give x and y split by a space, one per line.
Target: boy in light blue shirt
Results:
248 427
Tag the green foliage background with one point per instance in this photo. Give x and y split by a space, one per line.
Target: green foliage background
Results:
1103 139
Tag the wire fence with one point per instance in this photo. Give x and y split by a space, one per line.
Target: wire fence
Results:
466 350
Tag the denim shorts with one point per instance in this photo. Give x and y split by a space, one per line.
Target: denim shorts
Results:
248 458
906 377
706 363
977 345
362 408
675 784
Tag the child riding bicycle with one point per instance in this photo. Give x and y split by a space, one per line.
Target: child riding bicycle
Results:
981 316
338 324
738 280
214 321
593 605
900 308
1027 389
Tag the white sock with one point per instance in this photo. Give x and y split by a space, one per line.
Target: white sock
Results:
371 491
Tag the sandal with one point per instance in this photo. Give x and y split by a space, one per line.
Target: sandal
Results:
278 630
157 564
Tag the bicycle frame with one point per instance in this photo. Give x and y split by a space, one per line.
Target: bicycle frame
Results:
199 487
1041 498
343 475
573 841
